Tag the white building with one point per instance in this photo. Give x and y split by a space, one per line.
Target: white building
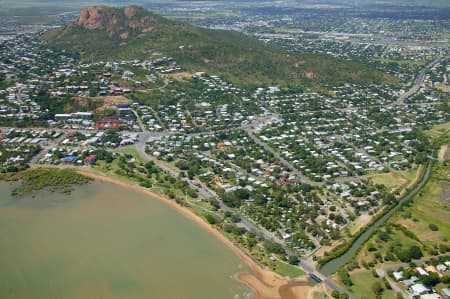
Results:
418 289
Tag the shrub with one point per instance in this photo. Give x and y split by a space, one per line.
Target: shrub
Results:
344 277
433 227
210 218
273 247
293 260
377 288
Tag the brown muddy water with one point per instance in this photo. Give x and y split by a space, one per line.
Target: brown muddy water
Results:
103 241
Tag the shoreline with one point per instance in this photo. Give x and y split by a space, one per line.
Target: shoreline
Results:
264 284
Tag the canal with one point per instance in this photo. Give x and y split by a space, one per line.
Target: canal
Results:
333 265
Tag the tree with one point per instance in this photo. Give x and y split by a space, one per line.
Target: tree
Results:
433 227
273 247
228 228
239 230
371 247
430 280
335 294
192 193
344 277
415 252
211 219
293 260
384 236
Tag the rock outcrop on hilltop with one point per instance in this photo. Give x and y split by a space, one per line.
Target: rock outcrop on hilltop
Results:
117 25
91 18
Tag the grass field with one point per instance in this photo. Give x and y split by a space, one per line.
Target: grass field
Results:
444 153
288 270
397 237
431 206
445 88
319 295
133 152
109 169
410 63
394 180
410 225
362 288
439 130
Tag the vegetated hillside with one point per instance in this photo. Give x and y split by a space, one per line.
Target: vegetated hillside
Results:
133 32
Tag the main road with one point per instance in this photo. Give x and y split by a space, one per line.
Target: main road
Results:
417 83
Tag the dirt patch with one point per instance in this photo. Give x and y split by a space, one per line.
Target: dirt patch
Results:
322 250
445 195
83 101
130 11
309 75
110 101
103 102
180 75
299 63
148 29
416 179
82 104
443 152
360 222
316 291
295 290
268 285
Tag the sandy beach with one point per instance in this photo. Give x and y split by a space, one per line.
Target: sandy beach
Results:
266 284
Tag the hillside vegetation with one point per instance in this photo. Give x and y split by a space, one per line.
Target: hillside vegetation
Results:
133 32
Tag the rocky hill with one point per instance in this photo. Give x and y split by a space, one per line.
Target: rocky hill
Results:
134 32
118 24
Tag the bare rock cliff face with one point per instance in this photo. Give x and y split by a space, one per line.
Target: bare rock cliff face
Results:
91 18
130 11
96 17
